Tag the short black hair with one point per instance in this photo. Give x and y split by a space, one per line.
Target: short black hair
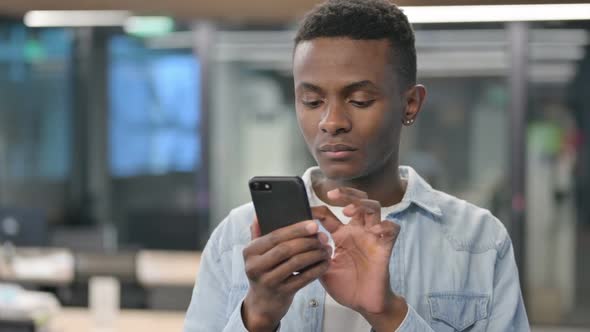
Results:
365 20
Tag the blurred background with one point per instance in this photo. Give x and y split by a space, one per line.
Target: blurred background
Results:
129 129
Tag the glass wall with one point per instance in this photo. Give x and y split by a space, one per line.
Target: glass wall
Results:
154 110
558 235
35 118
156 164
101 134
465 72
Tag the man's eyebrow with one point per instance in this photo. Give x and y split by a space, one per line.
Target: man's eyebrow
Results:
366 84
309 86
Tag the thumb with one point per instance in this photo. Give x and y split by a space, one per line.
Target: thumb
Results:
255 229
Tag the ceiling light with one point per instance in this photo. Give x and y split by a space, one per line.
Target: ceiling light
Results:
497 13
75 18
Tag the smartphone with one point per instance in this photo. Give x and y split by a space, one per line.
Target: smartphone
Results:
279 201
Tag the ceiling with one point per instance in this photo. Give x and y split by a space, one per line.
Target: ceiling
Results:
225 10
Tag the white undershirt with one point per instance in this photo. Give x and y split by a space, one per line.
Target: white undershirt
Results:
338 318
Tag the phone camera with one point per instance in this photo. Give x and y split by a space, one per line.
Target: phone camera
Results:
260 186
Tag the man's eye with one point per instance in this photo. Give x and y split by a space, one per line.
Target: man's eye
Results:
361 104
311 103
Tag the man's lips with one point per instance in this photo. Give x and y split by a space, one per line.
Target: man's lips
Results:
337 151
336 148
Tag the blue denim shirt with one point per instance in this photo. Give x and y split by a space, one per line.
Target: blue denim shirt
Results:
453 262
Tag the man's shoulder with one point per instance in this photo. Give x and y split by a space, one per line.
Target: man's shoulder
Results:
469 227
234 229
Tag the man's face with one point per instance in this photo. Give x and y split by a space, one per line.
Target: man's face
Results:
348 103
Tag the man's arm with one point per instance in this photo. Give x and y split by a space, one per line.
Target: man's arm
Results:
507 312
411 322
270 263
209 304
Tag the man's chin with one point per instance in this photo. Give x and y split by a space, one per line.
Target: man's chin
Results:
340 171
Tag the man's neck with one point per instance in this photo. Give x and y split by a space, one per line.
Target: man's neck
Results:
383 185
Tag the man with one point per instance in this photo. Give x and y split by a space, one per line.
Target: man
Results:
407 257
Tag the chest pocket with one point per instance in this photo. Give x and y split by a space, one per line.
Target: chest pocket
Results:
456 311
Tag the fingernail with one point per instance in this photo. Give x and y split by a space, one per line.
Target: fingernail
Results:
332 192
311 228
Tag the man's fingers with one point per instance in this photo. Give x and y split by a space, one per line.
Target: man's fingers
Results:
344 195
372 216
286 251
264 243
361 209
355 213
367 209
296 282
296 263
326 217
255 231
387 230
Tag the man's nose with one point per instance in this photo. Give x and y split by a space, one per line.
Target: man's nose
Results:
335 120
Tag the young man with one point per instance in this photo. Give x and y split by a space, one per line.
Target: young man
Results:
407 257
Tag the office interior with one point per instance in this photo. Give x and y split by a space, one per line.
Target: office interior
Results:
129 130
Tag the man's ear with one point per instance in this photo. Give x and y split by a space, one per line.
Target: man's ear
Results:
414 99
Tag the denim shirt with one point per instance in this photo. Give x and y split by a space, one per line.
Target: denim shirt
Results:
453 262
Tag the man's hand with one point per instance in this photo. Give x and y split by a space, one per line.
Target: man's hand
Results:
358 276
271 261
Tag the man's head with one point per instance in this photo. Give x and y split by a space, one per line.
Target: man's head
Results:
365 20
354 67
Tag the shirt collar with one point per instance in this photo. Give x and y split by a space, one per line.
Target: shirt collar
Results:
418 191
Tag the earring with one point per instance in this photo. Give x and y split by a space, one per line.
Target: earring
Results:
409 122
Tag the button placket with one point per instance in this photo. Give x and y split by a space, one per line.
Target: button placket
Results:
313 303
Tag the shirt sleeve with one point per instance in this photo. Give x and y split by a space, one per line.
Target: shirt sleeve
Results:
508 312
413 322
209 308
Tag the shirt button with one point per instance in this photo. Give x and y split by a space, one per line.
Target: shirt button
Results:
313 303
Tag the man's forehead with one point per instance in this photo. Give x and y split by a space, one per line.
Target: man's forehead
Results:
343 58
342 48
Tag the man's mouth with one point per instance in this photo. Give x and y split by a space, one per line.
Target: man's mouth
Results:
337 151
336 148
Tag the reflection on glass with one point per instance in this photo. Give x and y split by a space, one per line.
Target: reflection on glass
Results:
154 110
35 78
